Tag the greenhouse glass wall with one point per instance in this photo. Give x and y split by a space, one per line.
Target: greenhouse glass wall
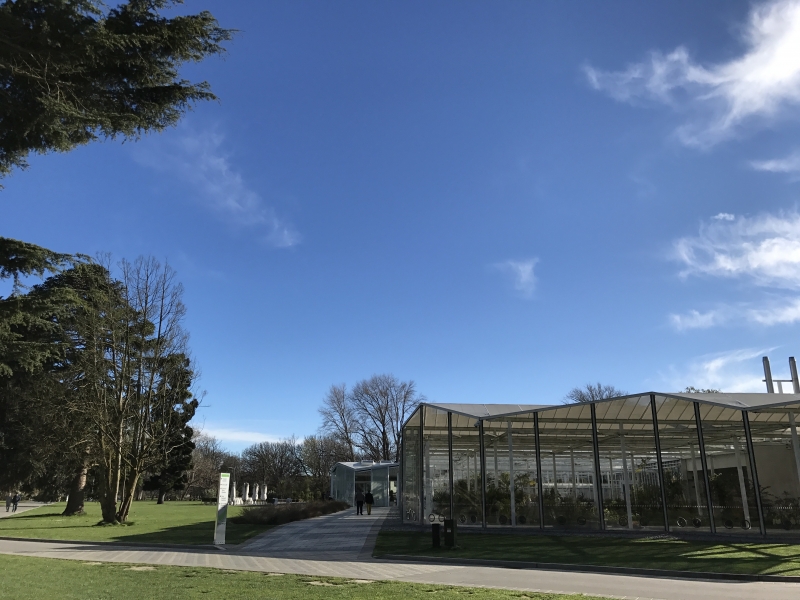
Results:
380 478
712 463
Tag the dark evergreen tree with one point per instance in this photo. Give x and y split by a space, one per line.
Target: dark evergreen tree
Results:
73 71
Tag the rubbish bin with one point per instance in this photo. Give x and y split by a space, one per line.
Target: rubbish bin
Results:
435 533
450 533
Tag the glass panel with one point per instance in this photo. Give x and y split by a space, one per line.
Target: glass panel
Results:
777 451
629 465
570 496
411 507
511 456
466 471
393 486
436 456
683 472
363 481
733 497
380 486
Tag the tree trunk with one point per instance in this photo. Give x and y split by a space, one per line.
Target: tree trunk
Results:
127 500
76 494
161 494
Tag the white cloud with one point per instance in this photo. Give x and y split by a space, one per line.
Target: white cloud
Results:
763 249
732 371
522 272
697 320
199 160
763 82
790 164
781 312
237 435
725 217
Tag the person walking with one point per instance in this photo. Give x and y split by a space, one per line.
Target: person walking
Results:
14 501
8 502
369 499
359 502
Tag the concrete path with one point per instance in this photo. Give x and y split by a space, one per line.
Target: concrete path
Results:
21 508
342 536
310 548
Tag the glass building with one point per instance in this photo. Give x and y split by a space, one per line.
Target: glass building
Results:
380 478
712 463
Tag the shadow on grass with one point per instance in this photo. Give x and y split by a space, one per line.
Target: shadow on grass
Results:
671 554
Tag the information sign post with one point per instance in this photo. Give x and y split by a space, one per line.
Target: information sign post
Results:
222 509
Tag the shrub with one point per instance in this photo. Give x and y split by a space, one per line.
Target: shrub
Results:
279 514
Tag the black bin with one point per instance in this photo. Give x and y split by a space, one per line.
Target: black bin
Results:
450 533
435 529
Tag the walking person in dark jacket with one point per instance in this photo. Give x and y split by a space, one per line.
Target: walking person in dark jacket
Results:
359 502
369 499
14 501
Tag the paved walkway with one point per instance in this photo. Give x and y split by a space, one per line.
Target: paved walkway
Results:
339 545
342 536
21 508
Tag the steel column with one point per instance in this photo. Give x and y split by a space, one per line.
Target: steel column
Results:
659 461
539 489
482 448
598 476
754 472
704 465
450 461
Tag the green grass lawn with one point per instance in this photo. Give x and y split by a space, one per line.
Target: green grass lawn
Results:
34 578
715 557
148 523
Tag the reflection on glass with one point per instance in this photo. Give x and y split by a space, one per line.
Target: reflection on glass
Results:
466 472
436 496
777 452
684 487
568 475
629 464
411 453
729 474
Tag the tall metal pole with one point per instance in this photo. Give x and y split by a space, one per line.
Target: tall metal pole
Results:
482 448
598 476
450 462
754 471
768 375
704 465
659 460
539 489
793 371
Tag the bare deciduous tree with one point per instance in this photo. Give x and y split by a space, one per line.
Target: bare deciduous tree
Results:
338 418
277 464
370 417
590 393
318 454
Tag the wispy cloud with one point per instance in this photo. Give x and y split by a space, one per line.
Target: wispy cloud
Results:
199 159
522 274
789 164
764 249
732 371
237 435
762 83
777 312
699 320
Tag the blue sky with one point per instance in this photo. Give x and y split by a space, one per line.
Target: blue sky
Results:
498 200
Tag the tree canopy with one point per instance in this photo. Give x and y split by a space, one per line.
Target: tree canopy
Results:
73 71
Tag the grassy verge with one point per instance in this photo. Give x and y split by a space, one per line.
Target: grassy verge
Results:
271 514
679 555
34 578
149 523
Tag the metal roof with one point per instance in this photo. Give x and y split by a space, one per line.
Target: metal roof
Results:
748 401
